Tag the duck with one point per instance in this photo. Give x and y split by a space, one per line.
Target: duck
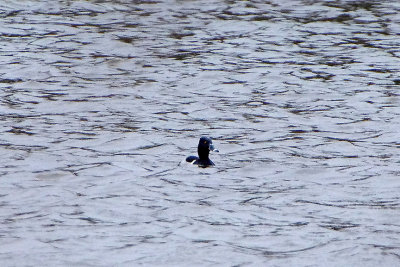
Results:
203 149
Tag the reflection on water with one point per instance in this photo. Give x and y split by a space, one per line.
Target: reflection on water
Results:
101 100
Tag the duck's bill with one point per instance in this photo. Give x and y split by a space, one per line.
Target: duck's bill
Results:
213 149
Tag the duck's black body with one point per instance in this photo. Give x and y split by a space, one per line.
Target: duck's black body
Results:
204 148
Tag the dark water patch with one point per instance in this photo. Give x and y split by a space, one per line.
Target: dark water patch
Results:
182 55
11 81
372 204
26 148
338 226
10 13
127 39
180 35
90 220
354 5
80 133
341 61
363 42
19 130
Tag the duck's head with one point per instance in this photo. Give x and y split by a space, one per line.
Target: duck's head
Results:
205 146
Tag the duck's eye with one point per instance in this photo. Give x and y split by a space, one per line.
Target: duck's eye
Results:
205 142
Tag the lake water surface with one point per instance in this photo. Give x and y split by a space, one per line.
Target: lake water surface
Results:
100 101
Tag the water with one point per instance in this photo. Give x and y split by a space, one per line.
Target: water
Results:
102 100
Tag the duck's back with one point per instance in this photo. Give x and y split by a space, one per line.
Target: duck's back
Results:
192 159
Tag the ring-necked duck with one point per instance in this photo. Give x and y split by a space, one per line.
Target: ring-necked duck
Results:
204 148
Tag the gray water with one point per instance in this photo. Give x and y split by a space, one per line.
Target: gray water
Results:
102 100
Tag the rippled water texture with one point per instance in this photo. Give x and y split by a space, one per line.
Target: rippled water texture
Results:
101 101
